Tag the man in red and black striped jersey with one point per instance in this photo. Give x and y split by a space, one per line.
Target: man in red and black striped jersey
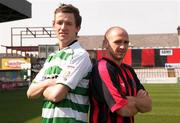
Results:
116 93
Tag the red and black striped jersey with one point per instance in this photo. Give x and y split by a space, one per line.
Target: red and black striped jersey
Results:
108 88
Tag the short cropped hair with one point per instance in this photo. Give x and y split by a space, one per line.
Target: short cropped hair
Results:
68 8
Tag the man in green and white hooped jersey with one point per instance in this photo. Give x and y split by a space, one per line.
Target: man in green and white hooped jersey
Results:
70 66
63 80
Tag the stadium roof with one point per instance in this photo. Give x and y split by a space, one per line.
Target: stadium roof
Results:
137 41
11 10
24 48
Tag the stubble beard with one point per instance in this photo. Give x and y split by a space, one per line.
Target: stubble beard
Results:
117 58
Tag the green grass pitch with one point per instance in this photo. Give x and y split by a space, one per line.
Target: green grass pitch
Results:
16 108
166 104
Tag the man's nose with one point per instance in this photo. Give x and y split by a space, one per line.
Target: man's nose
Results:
122 45
63 25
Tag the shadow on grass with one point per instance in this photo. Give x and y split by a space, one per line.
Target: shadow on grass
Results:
16 108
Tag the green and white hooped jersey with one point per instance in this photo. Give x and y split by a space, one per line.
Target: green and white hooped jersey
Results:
71 67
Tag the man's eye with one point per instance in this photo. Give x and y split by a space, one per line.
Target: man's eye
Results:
60 22
126 42
68 23
122 42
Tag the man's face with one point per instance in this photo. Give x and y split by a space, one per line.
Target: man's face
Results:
117 44
65 27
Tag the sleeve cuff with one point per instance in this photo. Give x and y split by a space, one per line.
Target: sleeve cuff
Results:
119 105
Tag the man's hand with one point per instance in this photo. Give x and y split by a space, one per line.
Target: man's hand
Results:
143 101
142 93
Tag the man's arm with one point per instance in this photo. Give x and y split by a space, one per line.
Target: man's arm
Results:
141 103
129 109
35 90
56 93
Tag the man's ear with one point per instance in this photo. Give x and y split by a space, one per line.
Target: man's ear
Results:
53 23
106 44
78 28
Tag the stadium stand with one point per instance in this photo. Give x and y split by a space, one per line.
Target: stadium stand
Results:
148 73
14 10
177 72
11 10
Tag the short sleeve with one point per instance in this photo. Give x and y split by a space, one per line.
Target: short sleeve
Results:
74 71
39 77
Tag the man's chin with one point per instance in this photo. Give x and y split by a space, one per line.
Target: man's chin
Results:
62 39
118 58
